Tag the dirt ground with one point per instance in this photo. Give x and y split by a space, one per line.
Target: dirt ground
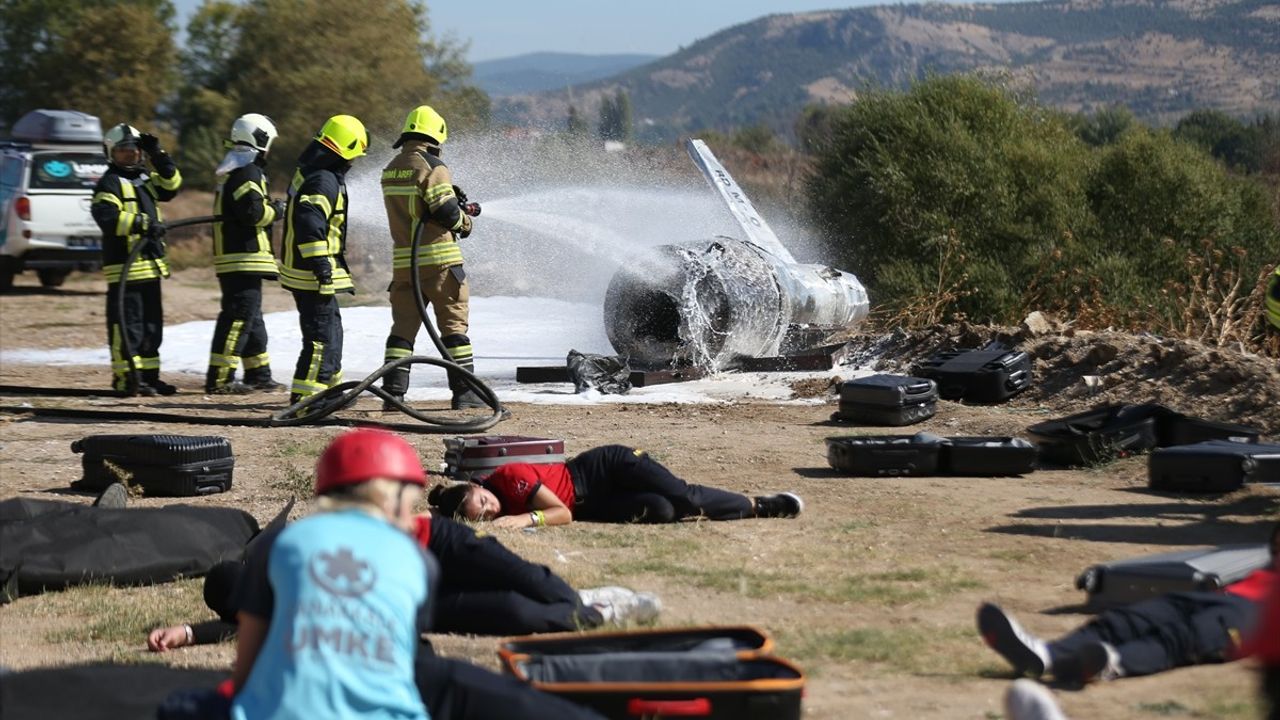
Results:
872 590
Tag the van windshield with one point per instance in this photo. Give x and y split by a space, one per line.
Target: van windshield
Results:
66 171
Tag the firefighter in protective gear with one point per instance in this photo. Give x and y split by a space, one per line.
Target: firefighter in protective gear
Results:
314 266
126 207
242 259
1273 299
420 198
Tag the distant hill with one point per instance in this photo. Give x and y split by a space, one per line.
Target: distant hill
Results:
1160 58
549 71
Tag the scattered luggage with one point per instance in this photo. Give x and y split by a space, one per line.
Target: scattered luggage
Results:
474 458
1215 466
721 673
166 465
886 455
1113 431
988 456
891 400
1132 580
989 375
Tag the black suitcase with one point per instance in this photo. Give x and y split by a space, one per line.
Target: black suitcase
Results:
891 400
886 455
989 375
474 458
1178 429
169 465
1215 466
723 673
988 456
1096 436
1133 580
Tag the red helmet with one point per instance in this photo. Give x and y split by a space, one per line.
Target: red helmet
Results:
364 454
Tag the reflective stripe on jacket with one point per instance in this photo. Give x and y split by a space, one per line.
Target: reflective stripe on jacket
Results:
123 214
417 190
242 239
315 231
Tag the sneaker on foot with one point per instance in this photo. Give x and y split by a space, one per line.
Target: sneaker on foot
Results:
779 506
1099 661
231 388
1029 700
620 605
114 497
1028 654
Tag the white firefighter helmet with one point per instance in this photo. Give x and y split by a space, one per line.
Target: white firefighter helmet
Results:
256 131
121 135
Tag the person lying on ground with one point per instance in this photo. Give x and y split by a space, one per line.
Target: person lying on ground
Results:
484 589
330 610
611 484
1173 630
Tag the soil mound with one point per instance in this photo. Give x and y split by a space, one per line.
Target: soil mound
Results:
1078 369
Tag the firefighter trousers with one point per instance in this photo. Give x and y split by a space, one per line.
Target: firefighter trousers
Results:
143 327
240 335
320 362
445 291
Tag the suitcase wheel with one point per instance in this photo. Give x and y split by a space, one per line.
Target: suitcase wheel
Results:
502 452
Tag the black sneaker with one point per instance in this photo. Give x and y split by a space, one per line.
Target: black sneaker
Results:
1027 653
781 505
231 388
114 497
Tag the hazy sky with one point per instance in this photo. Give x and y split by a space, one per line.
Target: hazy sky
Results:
502 28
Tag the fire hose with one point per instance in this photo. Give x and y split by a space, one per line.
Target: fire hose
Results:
325 403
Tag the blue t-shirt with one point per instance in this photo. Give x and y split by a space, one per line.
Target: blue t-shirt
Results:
345 593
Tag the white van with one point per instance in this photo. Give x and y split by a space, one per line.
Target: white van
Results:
47 174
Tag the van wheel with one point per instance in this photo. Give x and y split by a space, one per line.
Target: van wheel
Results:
8 268
53 278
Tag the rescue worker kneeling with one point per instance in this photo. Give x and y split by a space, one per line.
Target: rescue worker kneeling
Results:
420 197
314 266
126 208
242 258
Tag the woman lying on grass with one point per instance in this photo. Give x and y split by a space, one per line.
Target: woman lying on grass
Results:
611 484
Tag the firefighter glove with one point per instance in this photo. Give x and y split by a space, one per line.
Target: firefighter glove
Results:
466 227
462 197
279 206
156 231
150 144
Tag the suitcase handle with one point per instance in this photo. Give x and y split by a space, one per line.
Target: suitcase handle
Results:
694 707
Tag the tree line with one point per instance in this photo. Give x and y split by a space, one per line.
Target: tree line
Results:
296 61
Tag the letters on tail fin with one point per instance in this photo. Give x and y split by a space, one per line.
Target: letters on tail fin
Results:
758 231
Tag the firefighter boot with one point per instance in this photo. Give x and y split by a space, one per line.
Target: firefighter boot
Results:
260 379
151 378
395 383
464 397
217 381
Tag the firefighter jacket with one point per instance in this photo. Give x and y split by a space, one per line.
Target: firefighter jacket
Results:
418 192
315 231
125 204
242 239
1273 299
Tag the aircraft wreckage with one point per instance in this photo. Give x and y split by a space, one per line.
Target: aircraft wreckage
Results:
713 303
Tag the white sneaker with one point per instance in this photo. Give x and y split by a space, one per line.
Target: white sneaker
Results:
1029 700
1028 654
620 605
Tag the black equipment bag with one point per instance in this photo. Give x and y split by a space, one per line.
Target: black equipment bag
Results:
474 458
891 400
988 456
97 691
886 455
1215 466
1096 436
52 544
722 673
171 465
1133 580
990 375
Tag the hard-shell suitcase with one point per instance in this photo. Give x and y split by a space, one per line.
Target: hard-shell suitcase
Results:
891 400
717 672
473 458
885 455
1132 580
1178 429
1097 435
170 465
1214 466
988 456
989 375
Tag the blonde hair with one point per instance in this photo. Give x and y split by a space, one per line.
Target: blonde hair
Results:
371 496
